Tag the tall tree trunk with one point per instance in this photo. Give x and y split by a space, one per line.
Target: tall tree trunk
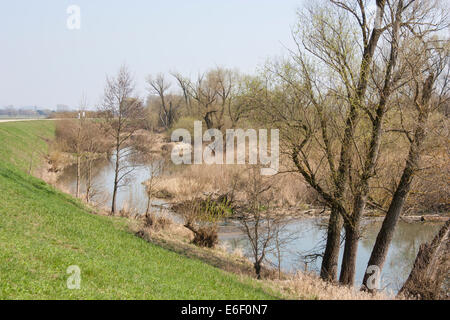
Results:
149 201
257 267
89 180
78 175
116 178
113 206
340 178
425 279
352 225
331 254
384 237
348 268
352 231
329 267
208 120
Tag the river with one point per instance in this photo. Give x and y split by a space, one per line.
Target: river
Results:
309 232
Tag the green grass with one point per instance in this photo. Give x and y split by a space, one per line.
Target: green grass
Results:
43 232
19 141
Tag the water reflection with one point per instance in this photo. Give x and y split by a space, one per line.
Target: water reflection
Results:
311 235
130 196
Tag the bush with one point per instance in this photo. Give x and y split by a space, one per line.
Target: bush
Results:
201 217
205 237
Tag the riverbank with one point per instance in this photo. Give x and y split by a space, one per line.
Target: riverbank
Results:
44 231
306 223
298 286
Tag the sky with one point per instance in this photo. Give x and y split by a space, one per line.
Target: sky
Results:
43 63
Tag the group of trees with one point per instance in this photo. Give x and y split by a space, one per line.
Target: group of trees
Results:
117 119
359 80
82 139
216 97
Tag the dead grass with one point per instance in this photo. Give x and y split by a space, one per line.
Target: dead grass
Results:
156 222
310 286
204 180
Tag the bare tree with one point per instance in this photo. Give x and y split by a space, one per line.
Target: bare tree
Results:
204 93
241 104
428 69
169 104
81 137
121 114
410 21
316 100
258 221
151 185
330 100
94 149
184 85
212 95
281 240
330 44
70 135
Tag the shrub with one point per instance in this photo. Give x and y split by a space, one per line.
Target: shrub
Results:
201 217
205 236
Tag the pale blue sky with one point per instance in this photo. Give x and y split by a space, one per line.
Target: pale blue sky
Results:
43 63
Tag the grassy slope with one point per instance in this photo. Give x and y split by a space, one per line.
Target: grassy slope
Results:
19 141
43 231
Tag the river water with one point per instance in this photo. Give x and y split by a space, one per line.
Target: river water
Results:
308 234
